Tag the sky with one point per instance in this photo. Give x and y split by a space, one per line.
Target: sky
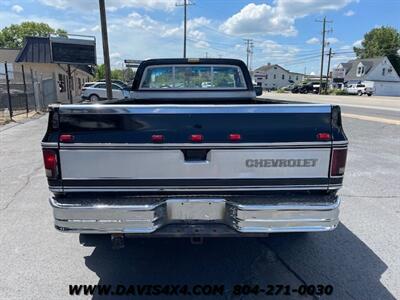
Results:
284 32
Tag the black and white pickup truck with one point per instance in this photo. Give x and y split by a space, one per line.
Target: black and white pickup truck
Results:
194 154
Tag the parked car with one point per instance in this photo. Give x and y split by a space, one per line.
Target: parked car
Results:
88 84
358 89
119 82
296 89
288 88
307 87
185 159
97 92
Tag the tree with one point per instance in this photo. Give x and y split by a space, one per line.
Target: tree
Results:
129 74
383 41
100 72
117 74
13 36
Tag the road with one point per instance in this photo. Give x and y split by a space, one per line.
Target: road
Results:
360 259
375 108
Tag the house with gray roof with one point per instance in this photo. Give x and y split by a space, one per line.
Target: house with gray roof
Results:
377 73
273 76
35 56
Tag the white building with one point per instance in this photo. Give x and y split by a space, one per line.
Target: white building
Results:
275 77
377 73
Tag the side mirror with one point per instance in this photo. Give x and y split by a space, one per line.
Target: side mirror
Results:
258 90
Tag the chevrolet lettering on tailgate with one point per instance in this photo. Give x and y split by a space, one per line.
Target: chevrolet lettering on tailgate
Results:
281 163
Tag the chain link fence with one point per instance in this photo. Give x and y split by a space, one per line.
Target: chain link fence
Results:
22 92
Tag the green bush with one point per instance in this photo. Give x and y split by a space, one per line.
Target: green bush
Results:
334 92
338 92
281 90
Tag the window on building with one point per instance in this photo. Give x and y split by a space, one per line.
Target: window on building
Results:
283 76
79 83
61 83
274 76
360 70
290 77
72 83
266 76
383 71
297 77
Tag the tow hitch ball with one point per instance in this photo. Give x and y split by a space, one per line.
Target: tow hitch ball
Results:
117 241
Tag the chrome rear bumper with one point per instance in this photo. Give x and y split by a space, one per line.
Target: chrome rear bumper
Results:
146 217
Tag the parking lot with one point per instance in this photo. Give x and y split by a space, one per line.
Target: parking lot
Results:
360 259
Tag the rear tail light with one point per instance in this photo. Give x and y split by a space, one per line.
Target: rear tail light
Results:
338 162
50 163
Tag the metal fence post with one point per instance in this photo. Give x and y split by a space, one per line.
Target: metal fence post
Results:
8 91
33 89
26 95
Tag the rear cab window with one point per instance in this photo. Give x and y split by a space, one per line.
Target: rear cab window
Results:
193 77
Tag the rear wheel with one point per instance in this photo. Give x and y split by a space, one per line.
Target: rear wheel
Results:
369 95
94 98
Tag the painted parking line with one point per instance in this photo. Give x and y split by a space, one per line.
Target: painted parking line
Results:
340 103
373 119
369 107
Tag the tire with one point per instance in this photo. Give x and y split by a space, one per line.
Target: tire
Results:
369 95
359 93
94 98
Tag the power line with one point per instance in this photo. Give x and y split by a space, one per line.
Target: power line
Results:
296 61
185 5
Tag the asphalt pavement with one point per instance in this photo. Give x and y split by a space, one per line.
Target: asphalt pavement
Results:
360 259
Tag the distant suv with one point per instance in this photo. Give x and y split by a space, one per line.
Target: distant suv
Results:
309 87
359 89
97 92
119 82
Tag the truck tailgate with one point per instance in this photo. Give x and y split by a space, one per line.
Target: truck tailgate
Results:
113 147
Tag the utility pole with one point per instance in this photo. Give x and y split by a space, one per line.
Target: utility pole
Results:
69 85
106 52
249 50
185 5
327 72
251 55
324 31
